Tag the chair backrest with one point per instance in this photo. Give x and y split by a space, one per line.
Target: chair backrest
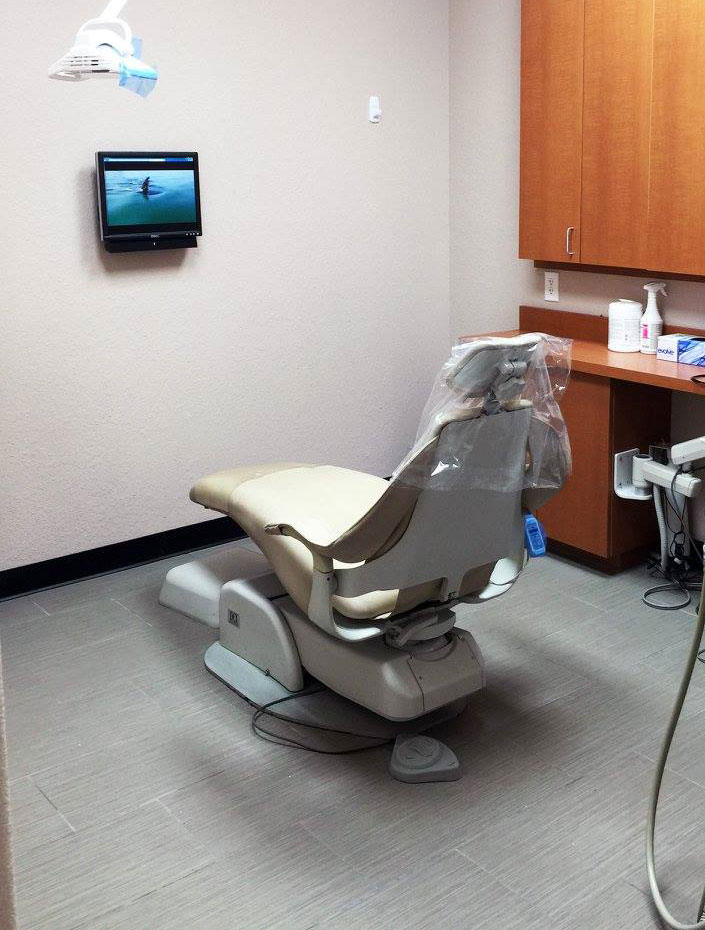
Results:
455 503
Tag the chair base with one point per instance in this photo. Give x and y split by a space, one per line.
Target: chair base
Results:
396 683
324 708
193 588
260 624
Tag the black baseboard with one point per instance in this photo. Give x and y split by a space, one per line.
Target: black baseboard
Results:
27 578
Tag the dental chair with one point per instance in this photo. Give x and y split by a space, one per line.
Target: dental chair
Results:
357 577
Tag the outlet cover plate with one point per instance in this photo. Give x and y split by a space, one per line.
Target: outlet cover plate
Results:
550 285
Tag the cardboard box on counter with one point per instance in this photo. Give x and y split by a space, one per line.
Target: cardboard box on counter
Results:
680 347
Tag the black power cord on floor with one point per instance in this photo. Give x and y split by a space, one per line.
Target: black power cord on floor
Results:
686 582
270 737
679 576
264 710
675 581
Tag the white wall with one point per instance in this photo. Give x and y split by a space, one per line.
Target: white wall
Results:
310 320
487 281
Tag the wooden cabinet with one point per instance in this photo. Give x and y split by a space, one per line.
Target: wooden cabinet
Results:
677 188
587 520
551 129
613 133
604 415
616 118
577 517
614 402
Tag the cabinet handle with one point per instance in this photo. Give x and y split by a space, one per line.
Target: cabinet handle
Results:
569 240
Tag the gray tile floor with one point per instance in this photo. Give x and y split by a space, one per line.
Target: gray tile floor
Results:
142 801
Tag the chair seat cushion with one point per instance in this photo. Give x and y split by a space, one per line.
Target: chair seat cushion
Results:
322 502
214 490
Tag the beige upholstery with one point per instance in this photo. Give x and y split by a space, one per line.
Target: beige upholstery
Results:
336 507
326 529
333 536
214 490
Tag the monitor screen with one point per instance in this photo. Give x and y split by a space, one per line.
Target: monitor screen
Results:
148 194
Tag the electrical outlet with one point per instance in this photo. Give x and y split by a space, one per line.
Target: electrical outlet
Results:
550 285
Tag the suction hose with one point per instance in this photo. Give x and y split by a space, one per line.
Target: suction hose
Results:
661 520
663 911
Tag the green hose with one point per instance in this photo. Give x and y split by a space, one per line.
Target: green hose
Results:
663 911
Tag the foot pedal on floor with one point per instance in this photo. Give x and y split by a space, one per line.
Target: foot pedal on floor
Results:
421 758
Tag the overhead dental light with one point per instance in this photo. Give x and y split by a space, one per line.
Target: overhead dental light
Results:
105 46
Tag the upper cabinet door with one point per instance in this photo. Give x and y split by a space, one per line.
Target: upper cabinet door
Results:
616 127
551 129
676 236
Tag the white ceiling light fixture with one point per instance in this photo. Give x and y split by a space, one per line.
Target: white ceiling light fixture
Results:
105 46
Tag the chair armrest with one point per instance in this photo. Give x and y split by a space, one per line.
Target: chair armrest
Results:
323 587
322 560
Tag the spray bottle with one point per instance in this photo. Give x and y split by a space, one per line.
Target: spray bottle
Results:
651 322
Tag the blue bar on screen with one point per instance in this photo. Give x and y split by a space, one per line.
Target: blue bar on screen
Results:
165 159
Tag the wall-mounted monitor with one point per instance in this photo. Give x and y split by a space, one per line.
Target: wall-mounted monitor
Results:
148 200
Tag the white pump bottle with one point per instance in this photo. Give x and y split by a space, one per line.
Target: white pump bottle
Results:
651 322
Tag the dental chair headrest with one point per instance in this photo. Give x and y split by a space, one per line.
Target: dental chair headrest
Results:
481 379
493 366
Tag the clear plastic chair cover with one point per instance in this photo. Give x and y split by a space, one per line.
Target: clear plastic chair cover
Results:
521 379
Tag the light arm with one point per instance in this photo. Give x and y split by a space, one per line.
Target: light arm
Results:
113 9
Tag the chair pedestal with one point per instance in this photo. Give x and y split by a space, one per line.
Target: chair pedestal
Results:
324 709
261 625
396 683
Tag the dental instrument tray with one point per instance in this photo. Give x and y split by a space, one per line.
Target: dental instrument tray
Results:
148 201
